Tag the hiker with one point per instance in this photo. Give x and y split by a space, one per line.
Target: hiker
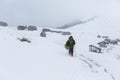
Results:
70 45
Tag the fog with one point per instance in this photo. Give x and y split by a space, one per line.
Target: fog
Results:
54 13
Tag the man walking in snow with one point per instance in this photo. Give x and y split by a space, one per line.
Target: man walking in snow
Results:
70 45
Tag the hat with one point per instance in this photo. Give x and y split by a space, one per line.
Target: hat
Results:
70 37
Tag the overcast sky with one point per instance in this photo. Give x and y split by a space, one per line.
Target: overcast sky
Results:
53 12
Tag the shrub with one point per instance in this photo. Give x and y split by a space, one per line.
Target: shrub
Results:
24 40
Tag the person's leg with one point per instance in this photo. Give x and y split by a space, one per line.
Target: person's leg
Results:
71 51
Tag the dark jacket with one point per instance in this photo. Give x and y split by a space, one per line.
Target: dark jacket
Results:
70 43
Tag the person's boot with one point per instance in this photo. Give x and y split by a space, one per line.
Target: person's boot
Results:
71 54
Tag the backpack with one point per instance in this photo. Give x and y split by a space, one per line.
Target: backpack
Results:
67 45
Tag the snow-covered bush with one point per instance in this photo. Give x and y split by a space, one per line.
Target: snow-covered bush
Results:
43 34
45 30
66 33
24 40
31 28
21 27
3 24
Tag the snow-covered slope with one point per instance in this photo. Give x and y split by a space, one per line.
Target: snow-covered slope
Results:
47 59
86 34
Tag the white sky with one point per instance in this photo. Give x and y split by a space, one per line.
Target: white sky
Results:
53 12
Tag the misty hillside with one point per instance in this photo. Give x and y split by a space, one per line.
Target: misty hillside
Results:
55 13
76 22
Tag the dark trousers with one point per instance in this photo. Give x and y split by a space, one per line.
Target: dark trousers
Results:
71 51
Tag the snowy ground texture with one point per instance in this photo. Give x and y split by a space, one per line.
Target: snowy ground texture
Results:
47 59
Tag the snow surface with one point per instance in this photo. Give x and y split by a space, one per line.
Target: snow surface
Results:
47 59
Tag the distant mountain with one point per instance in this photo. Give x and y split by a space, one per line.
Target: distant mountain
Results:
74 23
3 24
